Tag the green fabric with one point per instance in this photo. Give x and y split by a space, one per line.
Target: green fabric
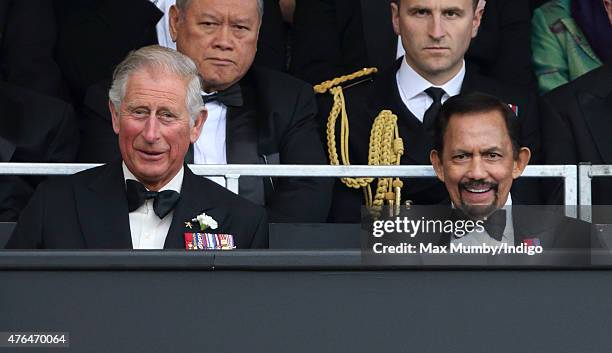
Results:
561 52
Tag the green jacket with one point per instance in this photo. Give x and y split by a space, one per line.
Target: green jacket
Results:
561 52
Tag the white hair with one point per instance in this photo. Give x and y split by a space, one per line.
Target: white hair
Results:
166 60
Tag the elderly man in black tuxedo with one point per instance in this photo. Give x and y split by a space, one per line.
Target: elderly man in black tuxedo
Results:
436 35
256 115
149 199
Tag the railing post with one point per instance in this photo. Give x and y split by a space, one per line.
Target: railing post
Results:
232 182
584 191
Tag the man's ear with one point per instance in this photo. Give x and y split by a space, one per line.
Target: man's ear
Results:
115 117
608 6
173 18
521 162
395 18
197 126
434 157
480 8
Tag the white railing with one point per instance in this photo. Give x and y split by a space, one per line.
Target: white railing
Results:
586 173
233 172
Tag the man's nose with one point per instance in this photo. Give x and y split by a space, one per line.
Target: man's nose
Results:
478 169
151 132
436 27
223 38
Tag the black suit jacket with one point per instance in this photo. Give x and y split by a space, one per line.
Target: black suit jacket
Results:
276 125
88 210
336 37
576 126
549 226
546 224
35 128
366 100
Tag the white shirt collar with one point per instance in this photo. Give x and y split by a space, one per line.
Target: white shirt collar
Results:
174 184
412 84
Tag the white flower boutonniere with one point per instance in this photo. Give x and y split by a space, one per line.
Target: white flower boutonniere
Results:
206 222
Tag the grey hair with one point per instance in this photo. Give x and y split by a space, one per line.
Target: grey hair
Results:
167 60
183 4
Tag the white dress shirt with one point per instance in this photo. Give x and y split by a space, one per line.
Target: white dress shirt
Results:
163 27
210 148
147 229
412 88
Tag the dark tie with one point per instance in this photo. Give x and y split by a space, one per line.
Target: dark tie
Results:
429 119
495 224
231 97
163 202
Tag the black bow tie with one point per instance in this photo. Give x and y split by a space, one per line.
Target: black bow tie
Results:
163 202
231 97
495 224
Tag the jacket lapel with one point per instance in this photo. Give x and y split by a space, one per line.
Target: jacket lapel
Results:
531 224
244 131
102 209
579 38
193 202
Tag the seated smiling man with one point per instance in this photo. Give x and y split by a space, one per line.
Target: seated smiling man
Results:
149 199
478 154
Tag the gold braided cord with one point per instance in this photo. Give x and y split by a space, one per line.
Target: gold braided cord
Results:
337 109
385 146
327 85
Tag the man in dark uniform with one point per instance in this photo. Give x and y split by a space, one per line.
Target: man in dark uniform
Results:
358 34
436 35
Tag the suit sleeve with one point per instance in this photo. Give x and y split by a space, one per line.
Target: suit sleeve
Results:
28 42
65 142
557 138
301 199
557 147
513 62
260 236
549 60
28 232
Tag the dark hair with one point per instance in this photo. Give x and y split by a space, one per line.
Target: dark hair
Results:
474 3
465 104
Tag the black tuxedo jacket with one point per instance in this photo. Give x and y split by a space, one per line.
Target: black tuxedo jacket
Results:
576 126
550 227
35 128
276 125
337 37
88 210
366 100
